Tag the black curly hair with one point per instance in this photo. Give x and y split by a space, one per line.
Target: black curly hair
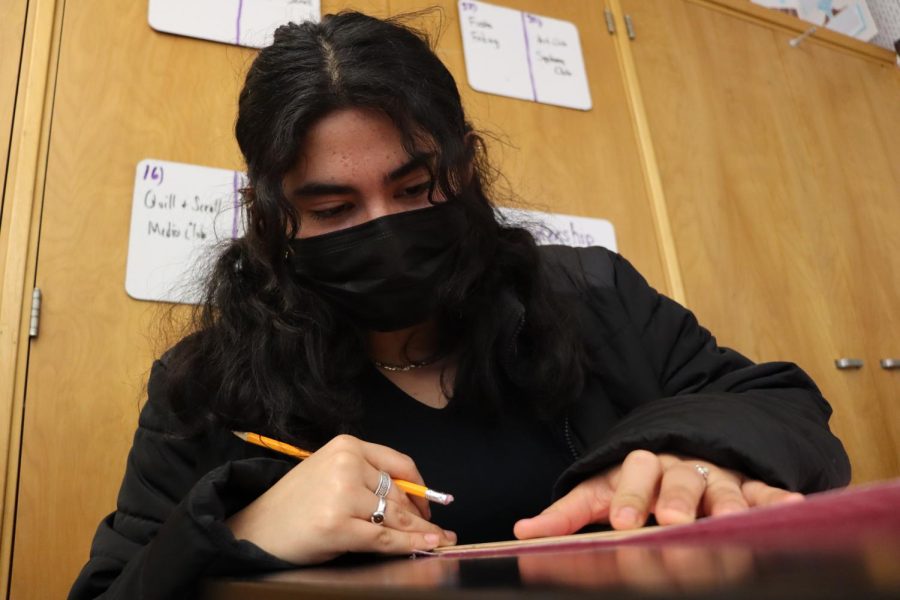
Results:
269 354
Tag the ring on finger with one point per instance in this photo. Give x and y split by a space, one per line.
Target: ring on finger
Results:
384 485
704 472
378 516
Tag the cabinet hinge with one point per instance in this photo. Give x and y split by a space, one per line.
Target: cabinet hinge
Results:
610 21
35 313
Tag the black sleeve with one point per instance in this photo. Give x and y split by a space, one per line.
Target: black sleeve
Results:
768 421
168 530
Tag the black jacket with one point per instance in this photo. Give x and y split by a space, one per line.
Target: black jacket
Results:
659 382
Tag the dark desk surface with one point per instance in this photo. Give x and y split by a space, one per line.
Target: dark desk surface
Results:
843 545
871 570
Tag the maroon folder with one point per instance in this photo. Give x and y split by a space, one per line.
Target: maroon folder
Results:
828 520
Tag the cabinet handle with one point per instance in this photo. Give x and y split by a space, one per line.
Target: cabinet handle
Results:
629 27
890 363
610 21
848 363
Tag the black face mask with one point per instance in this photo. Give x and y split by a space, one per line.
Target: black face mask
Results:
384 273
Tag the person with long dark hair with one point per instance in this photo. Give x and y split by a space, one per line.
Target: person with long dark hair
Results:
379 312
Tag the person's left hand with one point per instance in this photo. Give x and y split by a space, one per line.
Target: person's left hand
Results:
671 487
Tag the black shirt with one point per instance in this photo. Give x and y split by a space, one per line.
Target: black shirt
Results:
499 470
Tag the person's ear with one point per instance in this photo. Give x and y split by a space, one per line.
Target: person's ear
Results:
471 140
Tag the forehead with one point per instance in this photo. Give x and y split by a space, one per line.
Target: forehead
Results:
351 142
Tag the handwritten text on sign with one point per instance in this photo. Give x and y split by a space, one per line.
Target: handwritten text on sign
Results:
566 230
521 55
241 22
179 212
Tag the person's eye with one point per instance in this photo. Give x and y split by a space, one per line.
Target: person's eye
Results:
329 213
417 190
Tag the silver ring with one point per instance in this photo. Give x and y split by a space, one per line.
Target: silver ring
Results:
704 472
384 485
378 516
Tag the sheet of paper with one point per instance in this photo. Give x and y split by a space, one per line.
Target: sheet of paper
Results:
248 23
522 55
779 4
886 14
495 52
850 17
826 520
568 230
179 212
557 63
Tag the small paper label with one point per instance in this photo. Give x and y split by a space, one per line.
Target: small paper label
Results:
248 23
523 55
179 213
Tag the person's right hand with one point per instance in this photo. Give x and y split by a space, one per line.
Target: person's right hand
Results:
321 508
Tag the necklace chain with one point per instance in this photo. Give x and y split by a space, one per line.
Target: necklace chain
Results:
415 364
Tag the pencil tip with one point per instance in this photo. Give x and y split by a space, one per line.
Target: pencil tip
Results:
241 434
439 497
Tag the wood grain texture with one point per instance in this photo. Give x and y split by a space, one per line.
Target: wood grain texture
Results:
12 32
559 159
125 92
777 168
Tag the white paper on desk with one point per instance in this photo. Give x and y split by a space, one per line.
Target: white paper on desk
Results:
179 212
522 55
248 23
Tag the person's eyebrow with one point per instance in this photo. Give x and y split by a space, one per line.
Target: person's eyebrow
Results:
313 188
420 160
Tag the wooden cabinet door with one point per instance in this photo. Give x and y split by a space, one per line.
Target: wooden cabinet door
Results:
124 93
560 159
847 128
776 165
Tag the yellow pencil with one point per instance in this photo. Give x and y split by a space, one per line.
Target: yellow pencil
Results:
407 486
